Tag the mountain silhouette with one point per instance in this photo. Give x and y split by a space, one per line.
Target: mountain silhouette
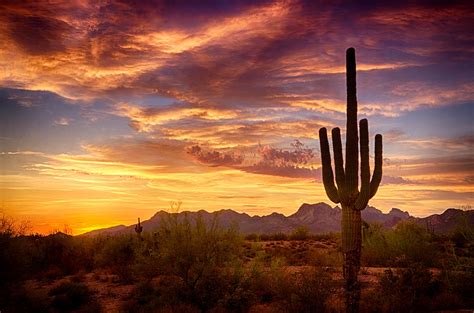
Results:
318 218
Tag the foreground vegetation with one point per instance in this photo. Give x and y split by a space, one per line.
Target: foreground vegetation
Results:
191 266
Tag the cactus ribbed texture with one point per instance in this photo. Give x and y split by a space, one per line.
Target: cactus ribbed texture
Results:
347 192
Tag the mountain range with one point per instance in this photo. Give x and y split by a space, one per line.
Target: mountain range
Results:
318 218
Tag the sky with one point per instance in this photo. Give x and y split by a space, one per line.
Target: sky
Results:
110 110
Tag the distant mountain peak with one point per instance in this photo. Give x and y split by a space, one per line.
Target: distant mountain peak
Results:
277 215
306 207
318 218
396 212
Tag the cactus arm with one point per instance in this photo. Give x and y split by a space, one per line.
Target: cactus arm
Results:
352 158
328 177
377 176
364 194
338 162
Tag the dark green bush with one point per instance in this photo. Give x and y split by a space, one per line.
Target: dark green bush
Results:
197 252
407 243
300 233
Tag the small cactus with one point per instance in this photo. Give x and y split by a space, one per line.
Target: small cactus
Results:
347 192
138 228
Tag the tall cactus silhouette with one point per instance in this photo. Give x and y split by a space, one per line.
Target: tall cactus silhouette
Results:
347 192
139 228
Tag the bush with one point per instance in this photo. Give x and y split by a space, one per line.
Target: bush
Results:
280 236
20 300
459 281
251 237
463 233
143 298
118 254
407 243
304 291
197 252
70 296
300 233
410 289
332 258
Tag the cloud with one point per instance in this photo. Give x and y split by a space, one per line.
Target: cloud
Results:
146 119
63 121
264 160
165 100
280 157
37 35
395 180
215 158
278 54
291 171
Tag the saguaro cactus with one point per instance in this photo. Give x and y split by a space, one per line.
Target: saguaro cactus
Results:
138 228
347 192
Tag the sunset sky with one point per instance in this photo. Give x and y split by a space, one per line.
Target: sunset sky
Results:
111 110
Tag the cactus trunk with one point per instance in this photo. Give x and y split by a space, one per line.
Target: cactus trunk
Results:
347 192
352 227
351 248
139 229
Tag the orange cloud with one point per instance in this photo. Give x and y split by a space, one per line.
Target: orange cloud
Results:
238 77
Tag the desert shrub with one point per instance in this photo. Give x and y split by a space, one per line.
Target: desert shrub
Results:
325 257
412 243
279 236
327 237
375 249
143 298
197 252
313 288
299 233
50 257
251 237
71 296
57 249
145 263
16 265
118 255
20 299
244 287
409 289
14 260
304 291
415 289
199 269
458 282
407 243
463 233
